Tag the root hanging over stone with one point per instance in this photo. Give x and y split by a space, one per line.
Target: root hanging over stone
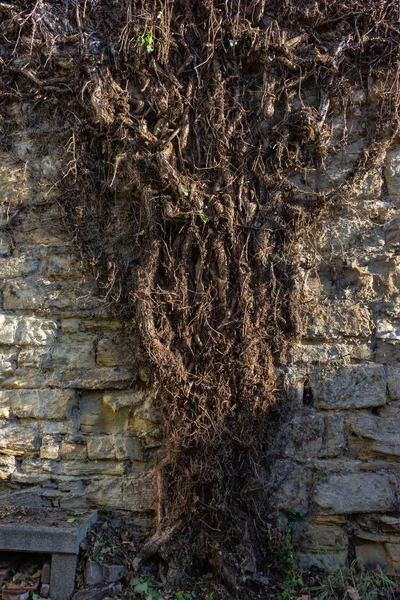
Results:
196 139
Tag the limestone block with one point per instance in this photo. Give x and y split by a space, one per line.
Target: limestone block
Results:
97 417
289 485
112 353
372 555
61 297
78 356
358 386
64 266
36 466
393 551
19 266
331 322
19 439
392 172
37 357
57 427
119 447
91 379
355 493
39 225
392 234
387 352
7 466
71 451
50 448
385 432
135 493
39 404
393 383
312 435
123 399
8 329
5 244
325 560
8 359
320 537
386 330
37 332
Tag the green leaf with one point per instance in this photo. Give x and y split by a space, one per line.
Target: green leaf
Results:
141 587
71 520
398 57
203 217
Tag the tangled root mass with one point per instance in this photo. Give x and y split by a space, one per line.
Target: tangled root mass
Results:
186 123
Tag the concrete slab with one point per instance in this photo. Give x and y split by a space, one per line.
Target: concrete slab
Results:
61 542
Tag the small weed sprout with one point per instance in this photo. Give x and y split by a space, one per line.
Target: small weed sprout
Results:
146 41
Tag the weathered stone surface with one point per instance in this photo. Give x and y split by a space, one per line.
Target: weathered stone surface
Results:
355 493
385 432
124 399
43 296
64 266
8 329
372 555
312 435
394 383
349 387
392 172
324 560
39 404
97 417
18 439
332 322
112 353
320 537
114 446
7 466
8 361
135 493
20 266
89 379
37 332
79 356
289 485
93 573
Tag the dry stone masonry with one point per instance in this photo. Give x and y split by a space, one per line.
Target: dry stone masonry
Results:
76 424
338 455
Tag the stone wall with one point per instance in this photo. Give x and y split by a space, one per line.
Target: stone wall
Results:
76 422
338 454
77 425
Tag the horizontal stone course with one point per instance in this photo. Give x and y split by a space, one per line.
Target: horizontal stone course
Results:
355 493
358 386
39 404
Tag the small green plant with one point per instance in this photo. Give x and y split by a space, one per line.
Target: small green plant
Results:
398 57
146 41
186 191
203 217
32 568
354 583
146 586
122 487
293 580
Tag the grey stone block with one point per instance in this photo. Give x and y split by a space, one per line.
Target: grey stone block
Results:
62 579
357 386
113 573
355 493
93 573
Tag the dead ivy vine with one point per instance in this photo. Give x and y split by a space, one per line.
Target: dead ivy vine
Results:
189 125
